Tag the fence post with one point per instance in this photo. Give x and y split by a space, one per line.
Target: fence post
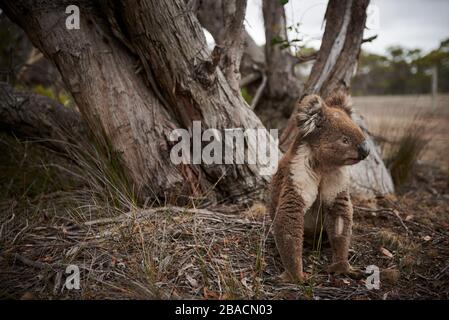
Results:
434 86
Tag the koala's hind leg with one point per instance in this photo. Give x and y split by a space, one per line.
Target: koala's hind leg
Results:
288 227
338 224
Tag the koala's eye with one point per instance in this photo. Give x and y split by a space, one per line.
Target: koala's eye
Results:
346 140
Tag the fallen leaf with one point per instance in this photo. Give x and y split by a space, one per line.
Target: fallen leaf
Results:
192 281
386 252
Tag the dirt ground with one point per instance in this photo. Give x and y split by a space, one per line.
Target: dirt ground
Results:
224 251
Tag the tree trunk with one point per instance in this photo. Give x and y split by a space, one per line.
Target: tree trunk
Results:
337 58
230 44
192 91
138 111
138 73
271 68
212 17
370 177
32 116
100 73
333 69
283 88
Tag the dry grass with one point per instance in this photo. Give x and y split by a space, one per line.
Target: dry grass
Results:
52 192
214 253
394 119
86 214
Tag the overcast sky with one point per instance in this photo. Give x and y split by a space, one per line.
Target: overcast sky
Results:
409 23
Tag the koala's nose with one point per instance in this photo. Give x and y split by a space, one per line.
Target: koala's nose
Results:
363 150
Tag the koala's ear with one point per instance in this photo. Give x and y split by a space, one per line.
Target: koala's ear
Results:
310 114
342 100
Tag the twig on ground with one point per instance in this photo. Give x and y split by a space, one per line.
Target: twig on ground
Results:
34 264
20 232
392 212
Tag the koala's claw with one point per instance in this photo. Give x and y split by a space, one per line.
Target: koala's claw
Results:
344 268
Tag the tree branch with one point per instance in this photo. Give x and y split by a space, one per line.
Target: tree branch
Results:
306 58
32 116
211 16
247 80
282 89
259 92
370 39
337 57
234 12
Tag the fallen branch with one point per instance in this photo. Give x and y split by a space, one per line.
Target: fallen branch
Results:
259 92
200 213
392 212
32 116
34 264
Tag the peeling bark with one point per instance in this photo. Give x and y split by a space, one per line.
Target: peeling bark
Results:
100 73
100 65
171 46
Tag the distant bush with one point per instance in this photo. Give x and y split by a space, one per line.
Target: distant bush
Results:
401 71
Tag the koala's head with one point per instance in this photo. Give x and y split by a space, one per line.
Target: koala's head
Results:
335 139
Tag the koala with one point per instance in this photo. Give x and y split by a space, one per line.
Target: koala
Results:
312 179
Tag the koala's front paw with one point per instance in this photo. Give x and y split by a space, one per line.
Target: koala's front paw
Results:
344 268
300 278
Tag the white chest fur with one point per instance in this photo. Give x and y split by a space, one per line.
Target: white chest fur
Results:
305 180
308 183
332 183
